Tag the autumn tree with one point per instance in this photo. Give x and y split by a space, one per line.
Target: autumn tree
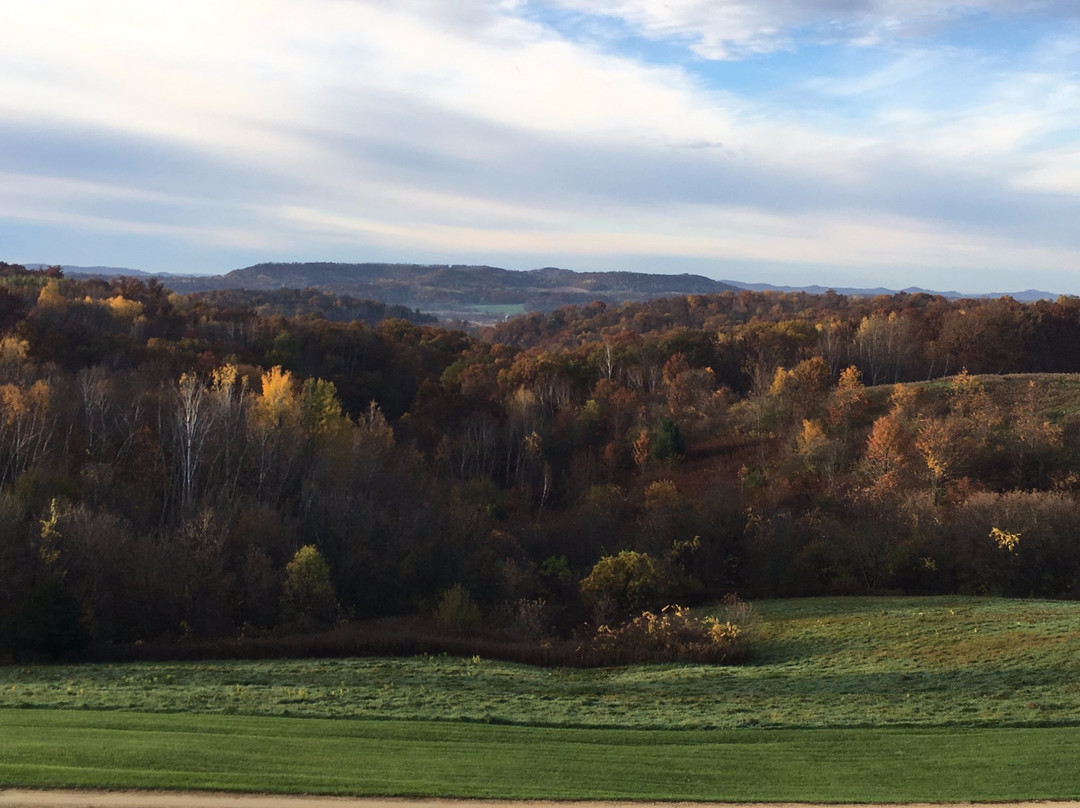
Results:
274 421
887 459
799 392
621 584
307 597
1032 437
27 426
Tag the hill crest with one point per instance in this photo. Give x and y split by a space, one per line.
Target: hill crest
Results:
458 291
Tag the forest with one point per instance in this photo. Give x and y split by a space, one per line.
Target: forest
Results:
176 468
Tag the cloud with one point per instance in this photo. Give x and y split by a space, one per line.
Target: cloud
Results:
475 129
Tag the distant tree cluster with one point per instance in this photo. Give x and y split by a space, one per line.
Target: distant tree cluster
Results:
209 465
309 303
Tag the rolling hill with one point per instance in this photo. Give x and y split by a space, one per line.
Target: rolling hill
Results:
457 291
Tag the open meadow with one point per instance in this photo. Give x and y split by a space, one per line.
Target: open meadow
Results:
820 663
857 699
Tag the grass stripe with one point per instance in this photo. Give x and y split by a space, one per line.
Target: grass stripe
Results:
52 748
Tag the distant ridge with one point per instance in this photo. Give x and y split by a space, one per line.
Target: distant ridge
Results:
1026 296
452 276
457 291
482 293
99 272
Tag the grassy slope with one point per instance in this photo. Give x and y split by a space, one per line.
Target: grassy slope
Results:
1058 393
821 663
865 699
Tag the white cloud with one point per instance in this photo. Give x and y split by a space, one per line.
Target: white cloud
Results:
470 129
852 244
89 206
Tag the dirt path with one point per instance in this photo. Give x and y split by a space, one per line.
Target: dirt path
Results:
15 798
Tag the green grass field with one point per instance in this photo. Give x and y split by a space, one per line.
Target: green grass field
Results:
820 663
53 748
860 699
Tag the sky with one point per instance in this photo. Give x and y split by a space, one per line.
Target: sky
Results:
844 143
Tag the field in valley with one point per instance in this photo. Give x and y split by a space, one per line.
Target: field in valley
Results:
856 699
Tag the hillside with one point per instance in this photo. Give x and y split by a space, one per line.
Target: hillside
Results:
167 461
476 293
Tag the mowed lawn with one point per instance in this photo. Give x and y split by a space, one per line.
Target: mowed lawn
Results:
52 748
861 699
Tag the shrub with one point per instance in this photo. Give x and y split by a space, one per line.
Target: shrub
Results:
673 635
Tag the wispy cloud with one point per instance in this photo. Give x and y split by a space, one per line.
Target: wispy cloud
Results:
732 29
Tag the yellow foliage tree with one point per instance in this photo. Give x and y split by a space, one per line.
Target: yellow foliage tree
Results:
13 350
812 446
848 398
274 418
50 296
123 309
277 405
26 426
800 390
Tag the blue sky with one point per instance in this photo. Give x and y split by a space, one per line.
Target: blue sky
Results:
839 142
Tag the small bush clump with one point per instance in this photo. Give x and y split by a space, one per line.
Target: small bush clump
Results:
673 635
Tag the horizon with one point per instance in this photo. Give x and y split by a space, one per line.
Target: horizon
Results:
855 144
812 287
